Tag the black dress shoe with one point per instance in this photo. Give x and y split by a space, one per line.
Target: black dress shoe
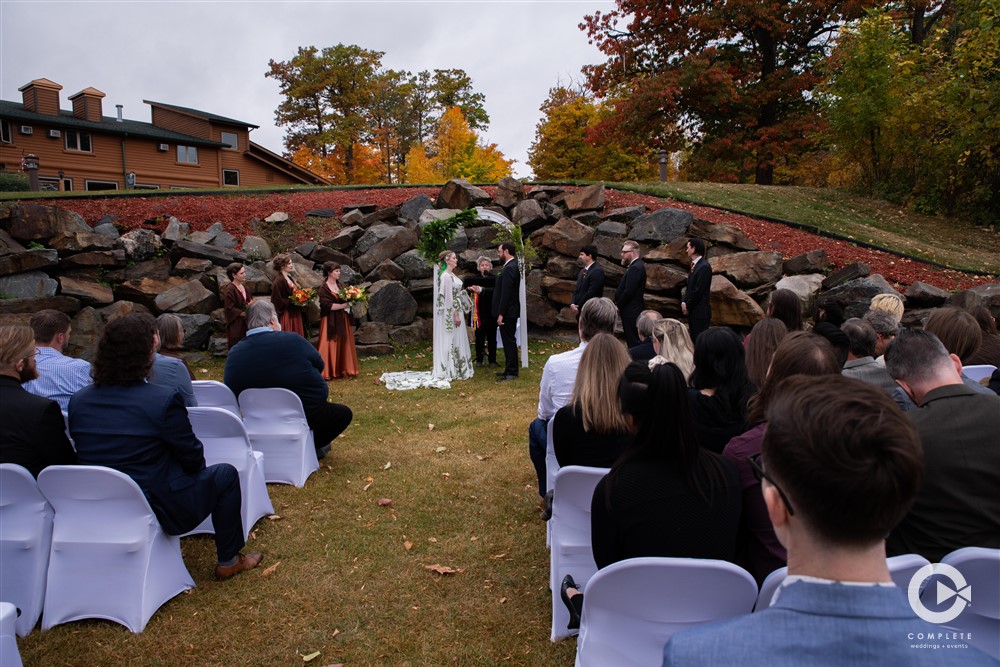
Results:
504 378
574 613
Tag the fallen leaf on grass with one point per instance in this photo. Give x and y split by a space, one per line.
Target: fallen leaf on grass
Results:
440 449
482 457
311 656
432 539
384 502
502 600
497 556
202 370
388 464
274 517
442 569
408 545
270 570
430 427
335 633
367 486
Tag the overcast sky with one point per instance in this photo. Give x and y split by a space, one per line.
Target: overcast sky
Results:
212 55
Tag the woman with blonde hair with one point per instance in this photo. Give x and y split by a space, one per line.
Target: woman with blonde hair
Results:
888 302
672 344
591 430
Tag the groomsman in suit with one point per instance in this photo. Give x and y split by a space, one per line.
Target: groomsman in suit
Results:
590 282
628 296
696 304
507 308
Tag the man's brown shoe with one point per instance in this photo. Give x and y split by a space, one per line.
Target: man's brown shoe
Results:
243 562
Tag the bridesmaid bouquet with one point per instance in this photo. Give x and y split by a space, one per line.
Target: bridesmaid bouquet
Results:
356 298
302 296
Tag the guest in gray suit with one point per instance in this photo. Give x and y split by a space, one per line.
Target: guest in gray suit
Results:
840 466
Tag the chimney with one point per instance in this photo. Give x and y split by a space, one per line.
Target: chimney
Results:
41 96
119 107
87 105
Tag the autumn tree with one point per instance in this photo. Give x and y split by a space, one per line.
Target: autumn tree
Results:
730 78
456 152
567 147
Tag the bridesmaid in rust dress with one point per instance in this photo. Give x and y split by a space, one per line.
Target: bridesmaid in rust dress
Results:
289 315
235 300
336 335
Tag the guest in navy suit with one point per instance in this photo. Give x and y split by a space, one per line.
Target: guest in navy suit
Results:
590 282
840 466
32 430
507 308
141 429
628 295
696 304
270 357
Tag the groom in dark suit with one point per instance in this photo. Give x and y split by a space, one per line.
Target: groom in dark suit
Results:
696 304
507 308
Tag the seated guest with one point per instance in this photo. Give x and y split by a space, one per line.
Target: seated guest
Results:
989 348
785 305
59 376
840 466
142 429
591 429
666 495
760 346
170 371
888 302
958 504
559 377
861 364
719 388
32 429
270 357
886 327
644 326
672 344
800 353
829 317
171 331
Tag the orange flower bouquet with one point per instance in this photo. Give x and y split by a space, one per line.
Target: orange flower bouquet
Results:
356 298
302 296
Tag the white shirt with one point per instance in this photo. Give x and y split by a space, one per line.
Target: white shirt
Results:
558 378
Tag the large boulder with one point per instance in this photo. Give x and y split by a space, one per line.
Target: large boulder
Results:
158 268
661 226
624 214
387 270
190 297
28 285
222 238
722 232
175 230
88 325
561 266
567 236
413 265
459 193
105 258
390 302
322 254
590 198
345 239
557 290
254 247
28 260
219 256
980 295
64 304
920 295
481 237
806 287
814 261
68 242
509 192
372 333
846 274
528 214
383 242
33 222
540 311
731 307
139 244
408 334
664 277
748 269
197 330
855 295
412 209
87 291
145 290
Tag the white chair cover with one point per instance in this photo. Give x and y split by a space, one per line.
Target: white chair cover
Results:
68 436
551 468
276 424
9 655
25 540
225 441
981 569
110 558
901 569
571 551
634 606
977 373
213 394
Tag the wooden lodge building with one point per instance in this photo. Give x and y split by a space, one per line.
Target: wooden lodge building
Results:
83 149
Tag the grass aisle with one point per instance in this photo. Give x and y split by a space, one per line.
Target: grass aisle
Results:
346 576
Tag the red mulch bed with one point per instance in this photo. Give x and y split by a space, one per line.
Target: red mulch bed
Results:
236 213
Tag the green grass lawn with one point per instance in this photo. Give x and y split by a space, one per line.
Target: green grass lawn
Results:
347 577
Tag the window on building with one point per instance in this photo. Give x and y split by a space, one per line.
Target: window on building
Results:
229 139
187 154
77 141
5 133
101 185
230 177
146 186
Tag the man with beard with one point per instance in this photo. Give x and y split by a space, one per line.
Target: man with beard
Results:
32 430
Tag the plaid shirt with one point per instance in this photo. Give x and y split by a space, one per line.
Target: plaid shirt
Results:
59 376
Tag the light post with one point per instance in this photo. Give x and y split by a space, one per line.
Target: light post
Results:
662 157
31 166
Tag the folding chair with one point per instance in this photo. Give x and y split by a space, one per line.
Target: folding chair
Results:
277 426
225 441
25 540
551 468
571 551
980 620
212 394
110 558
977 373
634 606
9 655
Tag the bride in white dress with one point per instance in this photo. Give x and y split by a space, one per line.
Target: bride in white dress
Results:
452 356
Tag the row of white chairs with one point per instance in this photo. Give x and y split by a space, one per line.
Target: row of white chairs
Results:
979 372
